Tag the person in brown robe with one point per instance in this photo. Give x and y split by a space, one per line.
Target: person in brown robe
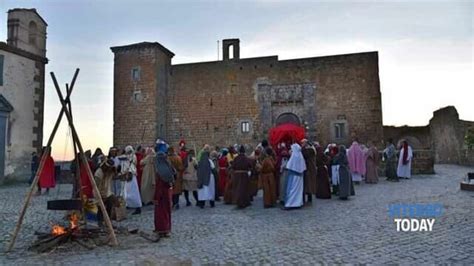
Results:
323 188
267 179
372 176
177 164
310 184
148 177
164 180
241 167
256 164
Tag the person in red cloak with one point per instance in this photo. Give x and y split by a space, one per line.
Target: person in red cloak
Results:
223 172
182 150
86 184
140 155
47 176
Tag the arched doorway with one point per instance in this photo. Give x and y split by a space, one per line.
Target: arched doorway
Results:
286 118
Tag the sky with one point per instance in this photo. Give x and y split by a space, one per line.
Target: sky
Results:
425 48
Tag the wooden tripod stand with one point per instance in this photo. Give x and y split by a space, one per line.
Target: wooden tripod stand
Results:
82 158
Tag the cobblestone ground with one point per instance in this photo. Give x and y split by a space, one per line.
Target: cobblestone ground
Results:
330 231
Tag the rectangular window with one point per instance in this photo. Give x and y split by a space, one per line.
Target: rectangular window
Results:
245 127
1 69
136 74
339 129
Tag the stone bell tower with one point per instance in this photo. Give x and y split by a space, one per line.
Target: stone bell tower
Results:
27 31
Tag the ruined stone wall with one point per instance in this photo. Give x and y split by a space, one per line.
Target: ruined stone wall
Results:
422 163
135 101
417 137
208 101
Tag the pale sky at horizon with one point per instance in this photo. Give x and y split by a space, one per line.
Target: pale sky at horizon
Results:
425 48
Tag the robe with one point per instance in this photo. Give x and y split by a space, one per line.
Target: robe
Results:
131 191
346 186
177 164
223 175
190 180
140 157
310 184
86 185
294 189
207 192
404 168
241 168
323 189
372 175
267 182
47 177
356 158
162 206
148 179
253 183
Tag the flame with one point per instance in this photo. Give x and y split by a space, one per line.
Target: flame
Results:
58 230
74 220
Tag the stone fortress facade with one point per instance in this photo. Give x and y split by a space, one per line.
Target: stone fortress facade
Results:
237 100
22 72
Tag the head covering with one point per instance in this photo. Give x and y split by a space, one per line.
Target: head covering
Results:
171 151
149 151
296 162
161 146
182 143
129 150
405 151
224 152
356 158
164 170
108 162
242 149
264 143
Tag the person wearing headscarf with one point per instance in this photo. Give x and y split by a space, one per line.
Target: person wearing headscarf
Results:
267 178
206 147
323 189
164 179
190 180
97 158
281 173
223 172
256 164
47 178
310 185
129 172
148 176
206 173
294 183
214 156
404 161
372 176
241 172
231 154
183 151
334 168
390 155
357 161
346 187
103 177
177 164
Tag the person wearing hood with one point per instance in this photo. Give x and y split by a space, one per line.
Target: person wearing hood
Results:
206 173
295 185
241 172
310 183
129 170
282 159
164 179
404 161
323 189
346 186
148 176
390 154
357 162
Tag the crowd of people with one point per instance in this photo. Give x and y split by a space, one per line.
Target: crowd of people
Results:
289 175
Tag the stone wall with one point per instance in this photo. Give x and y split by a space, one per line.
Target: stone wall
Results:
23 88
417 137
423 163
208 101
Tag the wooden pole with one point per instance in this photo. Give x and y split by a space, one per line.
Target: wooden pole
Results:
61 113
46 151
28 197
84 160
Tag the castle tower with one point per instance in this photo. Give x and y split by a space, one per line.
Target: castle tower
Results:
141 82
27 31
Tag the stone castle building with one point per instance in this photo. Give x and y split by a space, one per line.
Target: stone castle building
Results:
22 70
237 100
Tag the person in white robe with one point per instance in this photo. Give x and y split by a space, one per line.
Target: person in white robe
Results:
295 185
131 193
404 161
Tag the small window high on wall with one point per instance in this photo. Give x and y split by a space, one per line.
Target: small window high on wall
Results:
245 127
32 32
136 74
339 129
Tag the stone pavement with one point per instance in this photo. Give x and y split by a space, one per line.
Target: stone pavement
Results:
328 232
